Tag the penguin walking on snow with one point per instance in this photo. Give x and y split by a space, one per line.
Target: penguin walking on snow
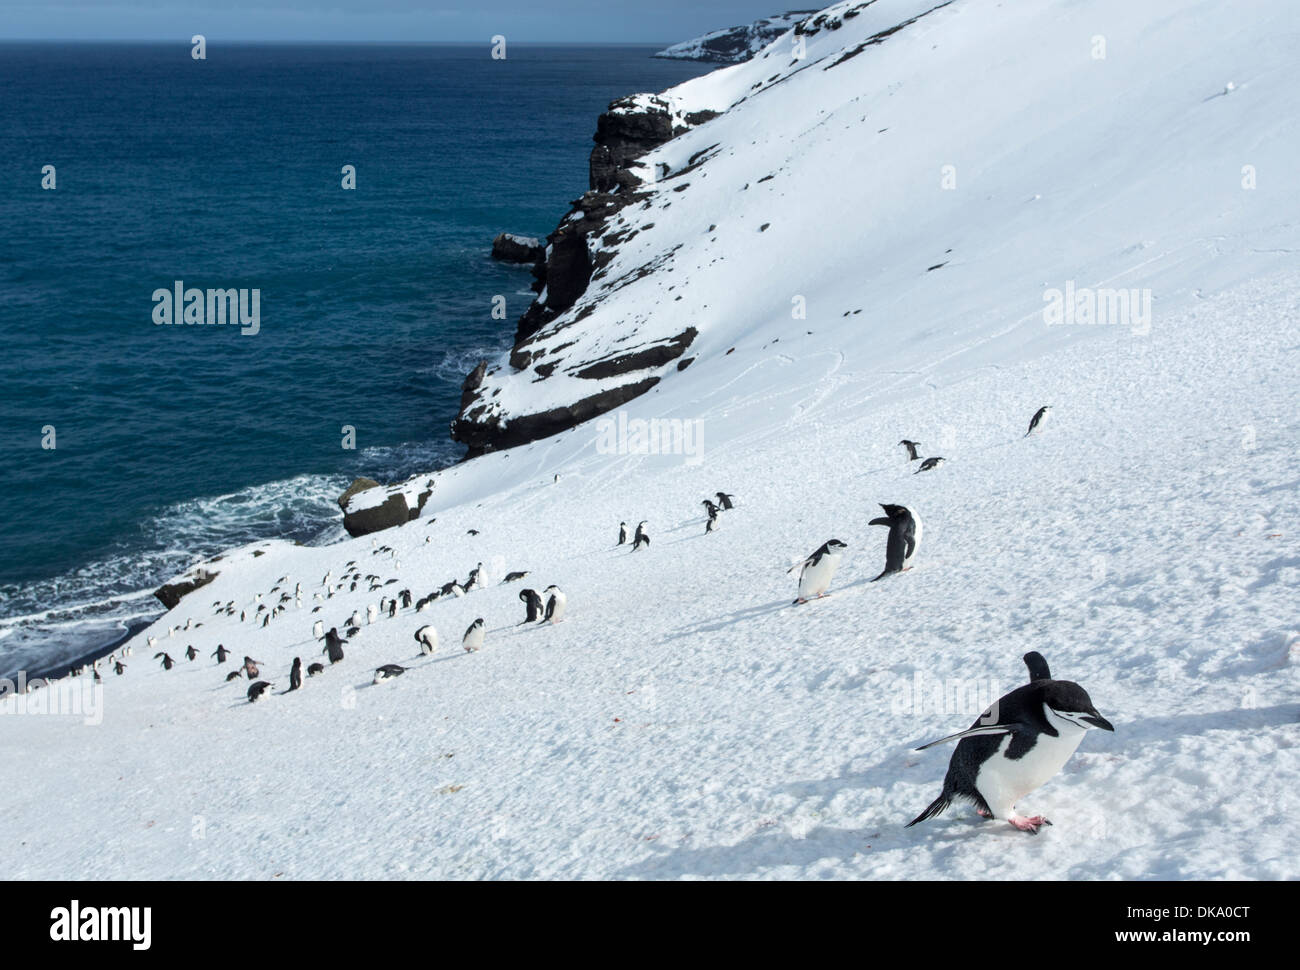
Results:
295 674
1016 746
191 653
118 667
221 653
712 524
473 639
904 537
911 447
250 667
817 571
556 604
622 534
724 500
333 645
710 509
641 538
427 638
1039 419
167 661
533 603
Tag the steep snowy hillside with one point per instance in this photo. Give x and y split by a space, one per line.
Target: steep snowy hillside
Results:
731 45
685 720
917 180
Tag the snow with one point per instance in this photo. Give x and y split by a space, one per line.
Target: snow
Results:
751 39
685 720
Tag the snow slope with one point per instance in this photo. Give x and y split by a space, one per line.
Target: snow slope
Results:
685 720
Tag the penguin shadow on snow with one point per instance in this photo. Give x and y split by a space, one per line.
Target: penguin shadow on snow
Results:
729 619
1144 730
774 844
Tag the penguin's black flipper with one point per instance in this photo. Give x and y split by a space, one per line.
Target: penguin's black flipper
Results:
978 731
936 807
1038 669
880 521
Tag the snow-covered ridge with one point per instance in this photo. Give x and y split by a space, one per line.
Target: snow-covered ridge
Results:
731 45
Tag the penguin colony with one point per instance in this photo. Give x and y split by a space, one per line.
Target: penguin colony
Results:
1015 747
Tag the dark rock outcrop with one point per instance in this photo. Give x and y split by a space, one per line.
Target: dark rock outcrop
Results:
363 520
491 436
169 594
509 248
630 127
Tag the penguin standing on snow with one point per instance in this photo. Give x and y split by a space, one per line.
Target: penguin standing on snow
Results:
533 603
712 524
1016 746
392 608
318 629
556 604
427 638
295 674
372 612
817 571
333 645
474 581
250 667
191 653
622 533
221 653
406 599
1039 419
911 447
710 509
641 538
167 662
118 667
904 537
473 639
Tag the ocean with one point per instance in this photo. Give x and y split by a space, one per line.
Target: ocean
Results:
171 443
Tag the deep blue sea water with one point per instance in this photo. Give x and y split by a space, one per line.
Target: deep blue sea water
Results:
173 443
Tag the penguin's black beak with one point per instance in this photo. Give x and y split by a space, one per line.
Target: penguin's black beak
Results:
1096 720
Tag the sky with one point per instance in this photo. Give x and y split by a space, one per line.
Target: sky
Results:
525 21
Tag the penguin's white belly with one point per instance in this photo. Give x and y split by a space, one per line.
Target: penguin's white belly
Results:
816 579
560 604
1003 781
916 539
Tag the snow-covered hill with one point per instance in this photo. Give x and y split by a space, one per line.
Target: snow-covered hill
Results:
685 720
732 45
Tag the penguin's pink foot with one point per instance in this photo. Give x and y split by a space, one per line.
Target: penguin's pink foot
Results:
800 600
983 814
1030 824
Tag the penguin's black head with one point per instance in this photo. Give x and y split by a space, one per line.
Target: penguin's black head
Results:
1071 702
834 545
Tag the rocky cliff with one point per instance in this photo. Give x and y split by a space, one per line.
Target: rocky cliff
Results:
733 45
